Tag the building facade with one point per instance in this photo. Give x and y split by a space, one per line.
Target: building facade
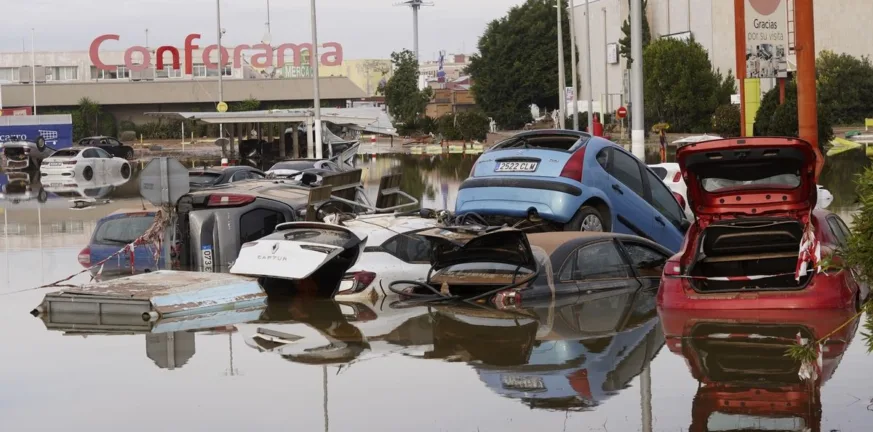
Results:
838 24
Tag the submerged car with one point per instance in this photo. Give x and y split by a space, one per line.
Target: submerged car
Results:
84 164
24 155
201 178
293 167
753 243
571 181
113 233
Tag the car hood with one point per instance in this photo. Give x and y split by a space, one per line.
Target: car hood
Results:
751 176
472 244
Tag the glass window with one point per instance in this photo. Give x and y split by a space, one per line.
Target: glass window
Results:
202 178
846 231
597 261
838 232
626 169
102 153
258 223
646 261
254 176
239 175
659 171
90 153
664 201
65 153
603 158
122 231
409 248
9 74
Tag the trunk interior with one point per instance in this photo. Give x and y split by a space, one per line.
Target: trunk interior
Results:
749 248
14 153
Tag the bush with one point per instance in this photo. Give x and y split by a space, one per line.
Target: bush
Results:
472 125
161 130
447 128
773 119
860 250
128 136
726 121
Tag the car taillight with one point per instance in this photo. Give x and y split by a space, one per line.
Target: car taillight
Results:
673 268
85 257
573 167
677 177
360 280
229 200
508 300
72 162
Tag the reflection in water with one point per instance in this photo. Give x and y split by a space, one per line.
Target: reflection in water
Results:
746 382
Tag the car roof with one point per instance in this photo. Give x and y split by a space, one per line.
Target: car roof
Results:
273 189
552 241
97 137
381 227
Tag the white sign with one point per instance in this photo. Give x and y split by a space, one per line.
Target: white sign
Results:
612 53
766 38
568 94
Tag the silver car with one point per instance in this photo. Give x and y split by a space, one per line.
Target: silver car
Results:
24 155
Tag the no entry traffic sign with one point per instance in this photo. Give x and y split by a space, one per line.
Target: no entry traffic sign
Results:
621 112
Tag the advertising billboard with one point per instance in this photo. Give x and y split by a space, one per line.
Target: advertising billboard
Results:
57 130
766 38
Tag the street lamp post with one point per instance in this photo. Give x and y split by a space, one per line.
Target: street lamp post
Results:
573 59
220 62
316 97
590 97
562 98
638 135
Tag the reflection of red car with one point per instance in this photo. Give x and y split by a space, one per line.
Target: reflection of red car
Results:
753 199
746 380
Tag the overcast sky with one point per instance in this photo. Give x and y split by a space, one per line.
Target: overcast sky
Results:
365 28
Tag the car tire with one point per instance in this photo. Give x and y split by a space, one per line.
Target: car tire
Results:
42 197
128 154
587 216
125 171
88 173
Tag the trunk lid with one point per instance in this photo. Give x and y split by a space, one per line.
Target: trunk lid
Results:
530 154
461 245
295 250
757 176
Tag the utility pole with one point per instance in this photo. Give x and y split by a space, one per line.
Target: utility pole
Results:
605 109
638 135
562 82
269 30
33 69
220 63
588 48
573 57
807 113
317 98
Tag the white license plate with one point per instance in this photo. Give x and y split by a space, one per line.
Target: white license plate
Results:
206 252
57 185
55 164
522 382
516 166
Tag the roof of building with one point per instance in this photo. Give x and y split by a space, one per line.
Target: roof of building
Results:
179 91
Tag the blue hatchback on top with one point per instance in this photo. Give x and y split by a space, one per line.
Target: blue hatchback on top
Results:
574 182
113 233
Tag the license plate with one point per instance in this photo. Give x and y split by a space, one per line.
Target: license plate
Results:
516 166
54 164
206 252
57 185
522 382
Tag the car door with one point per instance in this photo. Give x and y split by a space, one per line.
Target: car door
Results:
105 160
626 191
596 267
114 147
668 216
646 262
89 159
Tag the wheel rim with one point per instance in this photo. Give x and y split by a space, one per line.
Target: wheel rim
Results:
592 223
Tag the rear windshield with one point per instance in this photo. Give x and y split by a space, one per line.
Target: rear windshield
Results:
293 165
659 171
785 181
66 153
485 269
550 142
202 177
314 235
122 231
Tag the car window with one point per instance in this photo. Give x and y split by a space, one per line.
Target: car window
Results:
258 223
597 261
90 153
659 171
254 176
239 175
664 201
66 153
603 158
842 241
626 169
409 247
123 230
646 261
846 231
102 153
114 143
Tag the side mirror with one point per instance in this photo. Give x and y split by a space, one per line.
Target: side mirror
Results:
680 199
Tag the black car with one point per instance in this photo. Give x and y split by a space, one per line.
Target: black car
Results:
111 145
201 178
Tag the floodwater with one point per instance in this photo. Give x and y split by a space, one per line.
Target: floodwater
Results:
597 363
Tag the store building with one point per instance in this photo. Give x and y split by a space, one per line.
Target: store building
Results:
838 25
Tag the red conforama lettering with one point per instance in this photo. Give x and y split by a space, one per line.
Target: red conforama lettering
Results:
333 55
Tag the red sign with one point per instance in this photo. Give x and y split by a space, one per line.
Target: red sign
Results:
24 111
333 56
621 112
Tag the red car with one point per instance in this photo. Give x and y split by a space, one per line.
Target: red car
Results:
746 382
753 199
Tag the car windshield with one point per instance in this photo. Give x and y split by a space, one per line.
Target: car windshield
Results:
293 165
65 153
122 230
202 178
785 181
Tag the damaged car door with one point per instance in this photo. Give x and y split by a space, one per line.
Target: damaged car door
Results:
598 266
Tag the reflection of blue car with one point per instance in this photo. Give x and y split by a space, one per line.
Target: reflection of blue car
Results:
113 233
574 182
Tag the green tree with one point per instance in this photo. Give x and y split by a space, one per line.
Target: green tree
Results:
250 104
405 101
681 88
726 121
773 119
845 86
517 63
624 44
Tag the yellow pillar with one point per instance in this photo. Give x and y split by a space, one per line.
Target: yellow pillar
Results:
752 101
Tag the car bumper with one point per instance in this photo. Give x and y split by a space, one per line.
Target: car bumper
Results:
824 291
553 200
10 164
64 171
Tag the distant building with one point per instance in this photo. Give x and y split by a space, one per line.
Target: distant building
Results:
453 66
452 97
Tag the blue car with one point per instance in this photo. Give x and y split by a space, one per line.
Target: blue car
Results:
111 234
572 181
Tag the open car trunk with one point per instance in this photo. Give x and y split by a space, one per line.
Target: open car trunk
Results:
734 255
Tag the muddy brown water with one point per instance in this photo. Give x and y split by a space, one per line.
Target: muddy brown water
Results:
593 363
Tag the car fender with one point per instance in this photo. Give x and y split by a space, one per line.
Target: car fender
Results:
589 193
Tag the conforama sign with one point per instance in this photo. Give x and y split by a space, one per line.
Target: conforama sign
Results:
263 59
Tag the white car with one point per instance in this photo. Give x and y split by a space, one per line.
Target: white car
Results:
671 175
355 261
84 164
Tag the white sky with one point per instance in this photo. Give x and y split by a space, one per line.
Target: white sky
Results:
365 28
